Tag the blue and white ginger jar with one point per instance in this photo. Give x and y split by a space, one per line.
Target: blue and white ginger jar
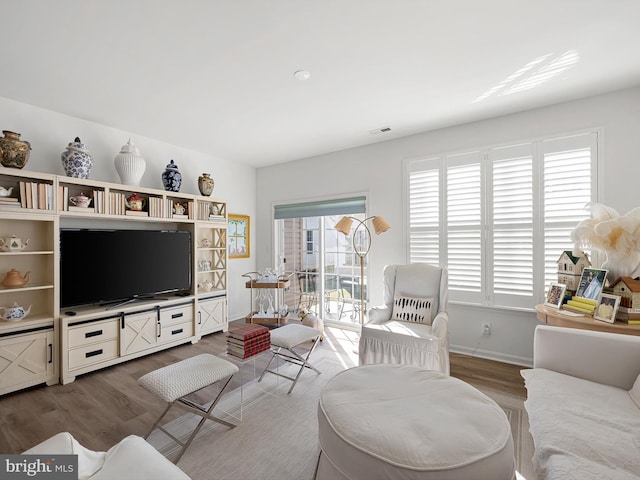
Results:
76 160
172 178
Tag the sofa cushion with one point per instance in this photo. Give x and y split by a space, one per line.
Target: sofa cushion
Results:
635 392
582 430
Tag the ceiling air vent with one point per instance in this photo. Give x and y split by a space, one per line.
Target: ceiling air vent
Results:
380 130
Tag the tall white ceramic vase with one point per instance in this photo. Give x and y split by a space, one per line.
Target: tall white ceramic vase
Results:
130 165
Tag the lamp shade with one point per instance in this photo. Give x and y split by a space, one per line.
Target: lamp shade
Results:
344 225
380 225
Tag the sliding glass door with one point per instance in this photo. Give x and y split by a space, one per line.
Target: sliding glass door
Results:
325 273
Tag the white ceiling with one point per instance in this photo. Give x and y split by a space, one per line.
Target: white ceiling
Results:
216 76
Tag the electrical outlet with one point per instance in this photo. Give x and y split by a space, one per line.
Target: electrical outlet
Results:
486 328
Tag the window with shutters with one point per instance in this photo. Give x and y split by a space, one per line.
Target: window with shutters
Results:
499 218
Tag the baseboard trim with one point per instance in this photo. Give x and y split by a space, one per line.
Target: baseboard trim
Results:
490 355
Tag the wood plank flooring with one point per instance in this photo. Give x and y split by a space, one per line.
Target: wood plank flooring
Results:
102 407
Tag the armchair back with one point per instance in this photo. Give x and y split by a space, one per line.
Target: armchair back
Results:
417 280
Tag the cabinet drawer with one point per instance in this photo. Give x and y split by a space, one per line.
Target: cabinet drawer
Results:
92 333
175 332
91 354
175 315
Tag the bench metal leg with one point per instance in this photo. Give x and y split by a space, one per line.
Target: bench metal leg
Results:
193 407
296 359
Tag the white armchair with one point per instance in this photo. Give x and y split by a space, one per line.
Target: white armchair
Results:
390 340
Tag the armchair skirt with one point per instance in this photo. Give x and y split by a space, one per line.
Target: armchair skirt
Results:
413 344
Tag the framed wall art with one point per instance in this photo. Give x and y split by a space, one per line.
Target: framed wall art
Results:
607 308
555 295
238 236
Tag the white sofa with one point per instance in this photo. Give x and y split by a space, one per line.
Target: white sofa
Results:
130 459
583 401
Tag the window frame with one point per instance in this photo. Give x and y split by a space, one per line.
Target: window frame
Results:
593 139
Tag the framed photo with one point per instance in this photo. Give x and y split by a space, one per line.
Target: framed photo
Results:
238 236
591 283
607 308
555 295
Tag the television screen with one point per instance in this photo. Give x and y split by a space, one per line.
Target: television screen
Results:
102 266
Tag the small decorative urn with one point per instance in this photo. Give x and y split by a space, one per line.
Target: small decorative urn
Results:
205 184
14 152
130 165
76 160
172 178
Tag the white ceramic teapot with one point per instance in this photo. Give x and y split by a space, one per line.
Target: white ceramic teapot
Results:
14 312
5 192
13 244
206 285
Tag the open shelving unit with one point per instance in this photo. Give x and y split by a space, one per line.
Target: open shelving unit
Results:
57 347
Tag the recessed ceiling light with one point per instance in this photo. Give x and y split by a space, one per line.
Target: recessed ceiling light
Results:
301 75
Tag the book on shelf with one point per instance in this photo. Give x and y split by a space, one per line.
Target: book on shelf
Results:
71 208
23 194
581 305
137 213
180 215
9 200
248 331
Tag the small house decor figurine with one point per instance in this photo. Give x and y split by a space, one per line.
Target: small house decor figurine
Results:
628 289
76 160
570 268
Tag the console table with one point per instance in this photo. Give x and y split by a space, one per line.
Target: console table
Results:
560 318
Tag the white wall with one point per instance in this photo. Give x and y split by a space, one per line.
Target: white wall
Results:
50 132
377 169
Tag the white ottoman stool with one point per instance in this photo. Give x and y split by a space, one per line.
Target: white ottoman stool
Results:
173 382
288 337
405 422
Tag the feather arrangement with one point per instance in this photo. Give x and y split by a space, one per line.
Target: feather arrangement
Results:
618 236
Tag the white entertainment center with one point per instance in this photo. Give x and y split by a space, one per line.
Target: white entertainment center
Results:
50 344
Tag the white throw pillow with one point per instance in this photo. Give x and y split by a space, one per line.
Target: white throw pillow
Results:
412 309
635 392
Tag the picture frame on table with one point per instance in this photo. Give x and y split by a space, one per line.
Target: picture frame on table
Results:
607 308
591 283
239 236
555 295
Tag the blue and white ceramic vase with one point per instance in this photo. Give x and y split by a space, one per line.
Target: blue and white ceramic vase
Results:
172 178
76 160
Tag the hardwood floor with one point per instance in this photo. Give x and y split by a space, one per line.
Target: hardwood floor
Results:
102 407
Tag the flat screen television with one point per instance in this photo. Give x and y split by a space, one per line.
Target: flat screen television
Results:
110 266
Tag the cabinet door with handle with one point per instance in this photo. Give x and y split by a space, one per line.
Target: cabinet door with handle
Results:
139 331
26 360
212 315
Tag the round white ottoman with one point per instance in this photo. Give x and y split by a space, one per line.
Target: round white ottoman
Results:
405 422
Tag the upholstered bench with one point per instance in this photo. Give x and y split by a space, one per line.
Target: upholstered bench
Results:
174 382
287 338
405 422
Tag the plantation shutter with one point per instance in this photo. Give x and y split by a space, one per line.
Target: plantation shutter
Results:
569 185
511 220
464 226
424 212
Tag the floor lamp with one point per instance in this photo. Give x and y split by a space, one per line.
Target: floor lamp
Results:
380 225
